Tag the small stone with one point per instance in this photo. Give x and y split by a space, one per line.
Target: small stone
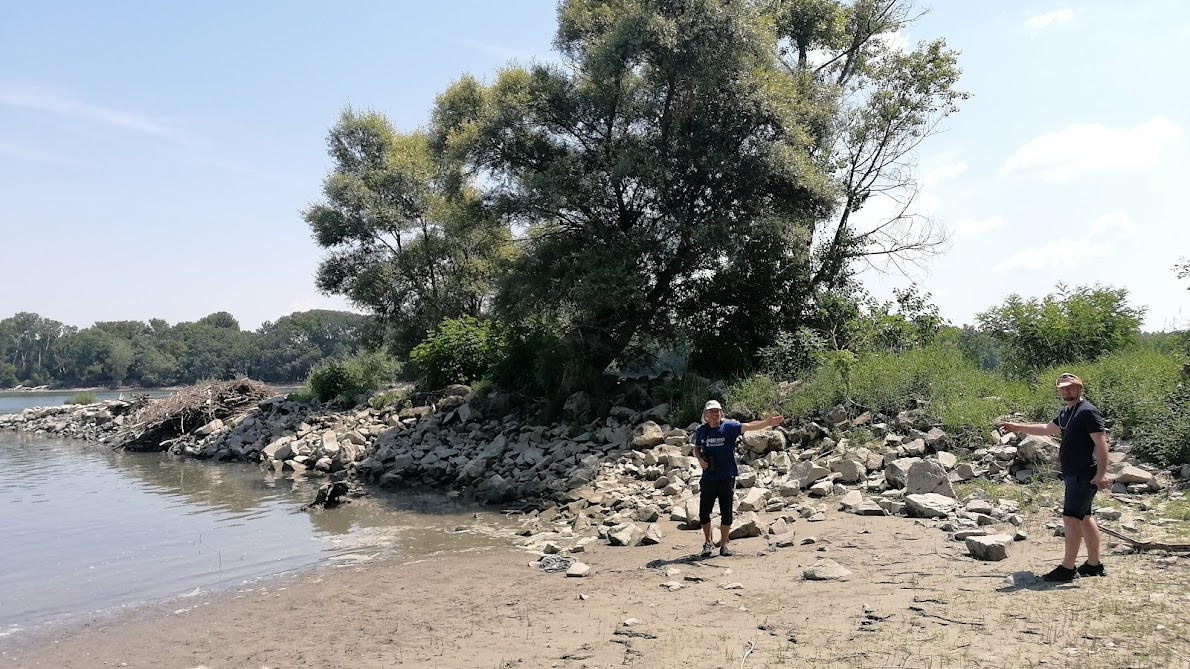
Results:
629 622
826 570
578 570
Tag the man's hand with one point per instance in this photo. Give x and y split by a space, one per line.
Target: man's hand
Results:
703 463
776 421
1004 426
1101 481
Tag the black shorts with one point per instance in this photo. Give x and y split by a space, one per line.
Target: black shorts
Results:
1080 492
711 490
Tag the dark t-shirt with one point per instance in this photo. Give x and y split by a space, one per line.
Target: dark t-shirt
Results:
718 448
1077 452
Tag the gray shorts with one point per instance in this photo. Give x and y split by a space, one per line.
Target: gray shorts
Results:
1080 492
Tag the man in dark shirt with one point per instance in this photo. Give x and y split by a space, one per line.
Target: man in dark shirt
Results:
1083 455
714 446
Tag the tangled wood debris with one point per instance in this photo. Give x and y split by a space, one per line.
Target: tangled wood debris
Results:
161 422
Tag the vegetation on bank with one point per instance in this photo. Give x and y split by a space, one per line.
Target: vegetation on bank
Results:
36 351
668 216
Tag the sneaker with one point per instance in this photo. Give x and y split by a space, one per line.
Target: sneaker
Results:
708 548
1060 574
726 552
1087 569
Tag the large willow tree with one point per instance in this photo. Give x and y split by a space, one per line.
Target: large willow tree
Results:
697 164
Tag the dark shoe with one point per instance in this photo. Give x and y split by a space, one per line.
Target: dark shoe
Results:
726 552
1060 574
708 548
1087 569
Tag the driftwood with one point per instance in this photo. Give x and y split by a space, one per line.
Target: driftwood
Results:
1139 546
159 423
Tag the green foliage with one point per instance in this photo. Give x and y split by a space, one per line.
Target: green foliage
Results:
395 396
302 395
459 350
1065 327
406 236
686 396
532 357
155 354
1165 437
679 158
81 398
346 381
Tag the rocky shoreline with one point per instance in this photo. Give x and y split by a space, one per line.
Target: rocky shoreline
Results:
613 478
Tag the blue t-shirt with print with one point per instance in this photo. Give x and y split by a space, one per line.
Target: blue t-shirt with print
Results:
718 448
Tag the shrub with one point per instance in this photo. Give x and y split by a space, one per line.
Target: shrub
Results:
301 396
532 356
395 396
81 398
345 381
459 350
1067 326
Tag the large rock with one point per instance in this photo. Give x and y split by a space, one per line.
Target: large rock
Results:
1131 474
624 535
496 489
851 471
930 505
806 473
992 547
763 441
1037 450
897 471
927 476
826 570
577 406
647 435
747 525
753 500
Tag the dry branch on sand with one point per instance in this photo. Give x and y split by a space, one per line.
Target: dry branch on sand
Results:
163 420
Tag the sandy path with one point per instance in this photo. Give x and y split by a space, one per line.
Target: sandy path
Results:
914 599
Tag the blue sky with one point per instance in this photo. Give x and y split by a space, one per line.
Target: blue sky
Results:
155 157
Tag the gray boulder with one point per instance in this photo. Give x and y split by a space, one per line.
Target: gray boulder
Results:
993 547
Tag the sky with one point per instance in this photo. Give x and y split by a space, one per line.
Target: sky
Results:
155 157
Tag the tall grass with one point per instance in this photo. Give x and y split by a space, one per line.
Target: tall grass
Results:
1130 387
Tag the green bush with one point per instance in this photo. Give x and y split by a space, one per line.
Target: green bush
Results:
81 398
1067 326
302 396
686 396
384 399
459 350
345 381
532 356
1165 438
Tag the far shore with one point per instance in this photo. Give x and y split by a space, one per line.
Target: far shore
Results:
127 389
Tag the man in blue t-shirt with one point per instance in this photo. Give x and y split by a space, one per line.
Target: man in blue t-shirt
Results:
1083 455
714 446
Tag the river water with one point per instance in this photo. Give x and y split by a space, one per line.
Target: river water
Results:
86 531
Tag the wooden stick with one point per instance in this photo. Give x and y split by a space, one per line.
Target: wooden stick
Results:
1148 545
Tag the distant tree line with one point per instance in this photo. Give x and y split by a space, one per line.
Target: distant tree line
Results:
36 351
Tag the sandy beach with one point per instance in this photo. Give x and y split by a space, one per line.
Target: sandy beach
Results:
914 599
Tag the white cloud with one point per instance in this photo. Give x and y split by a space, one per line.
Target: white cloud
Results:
944 172
971 227
1114 224
1082 148
65 104
1065 254
1043 20
1056 255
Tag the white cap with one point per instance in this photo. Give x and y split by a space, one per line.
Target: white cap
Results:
712 405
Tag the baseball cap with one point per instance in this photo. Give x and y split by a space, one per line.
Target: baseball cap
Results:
712 405
1068 379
